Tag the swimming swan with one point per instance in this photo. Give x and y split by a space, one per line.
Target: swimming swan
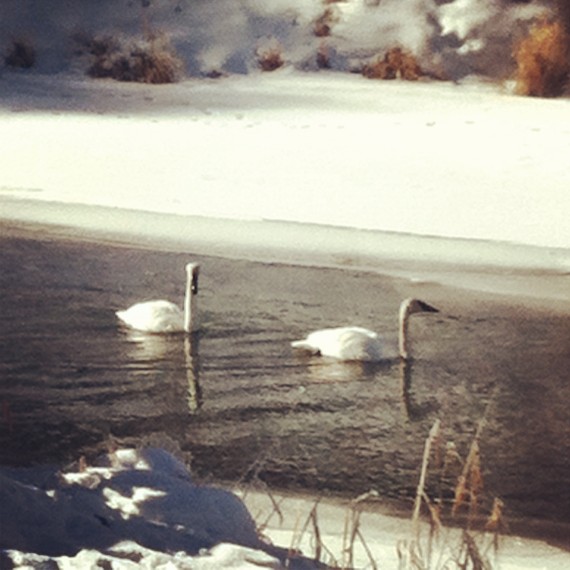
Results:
357 343
164 316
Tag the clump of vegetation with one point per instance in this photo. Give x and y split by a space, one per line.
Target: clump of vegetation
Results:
461 533
270 56
21 54
323 25
395 64
471 548
543 60
152 60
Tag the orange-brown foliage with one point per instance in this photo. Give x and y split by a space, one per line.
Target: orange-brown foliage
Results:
543 60
396 63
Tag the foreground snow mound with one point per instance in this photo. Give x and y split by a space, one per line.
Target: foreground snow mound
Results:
131 509
130 556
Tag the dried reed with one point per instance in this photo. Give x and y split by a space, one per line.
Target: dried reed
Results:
439 550
352 532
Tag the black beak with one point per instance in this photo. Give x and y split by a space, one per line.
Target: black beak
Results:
195 283
428 308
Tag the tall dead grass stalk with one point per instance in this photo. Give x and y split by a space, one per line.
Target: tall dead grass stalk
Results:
352 532
321 551
439 550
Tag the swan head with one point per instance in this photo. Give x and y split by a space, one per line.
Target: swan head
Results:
407 308
411 306
191 323
193 271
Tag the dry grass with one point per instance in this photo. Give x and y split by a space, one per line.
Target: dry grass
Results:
543 60
442 548
21 54
470 543
152 60
352 535
395 64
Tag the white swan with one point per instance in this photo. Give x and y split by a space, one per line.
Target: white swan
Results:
357 343
163 316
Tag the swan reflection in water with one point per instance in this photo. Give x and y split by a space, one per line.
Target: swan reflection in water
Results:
191 354
328 370
156 352
331 370
153 327
356 353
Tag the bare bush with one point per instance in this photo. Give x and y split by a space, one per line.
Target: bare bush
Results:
270 56
21 54
543 60
395 64
151 60
323 24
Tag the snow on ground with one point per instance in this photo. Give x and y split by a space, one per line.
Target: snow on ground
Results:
467 161
141 509
131 509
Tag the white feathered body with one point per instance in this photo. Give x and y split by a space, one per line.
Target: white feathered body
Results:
343 343
154 317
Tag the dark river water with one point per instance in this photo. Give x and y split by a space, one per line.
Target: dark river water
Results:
238 403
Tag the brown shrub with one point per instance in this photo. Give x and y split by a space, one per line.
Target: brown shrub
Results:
146 61
21 54
396 64
323 24
542 59
269 57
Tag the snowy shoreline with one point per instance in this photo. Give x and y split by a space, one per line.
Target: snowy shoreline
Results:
141 507
536 274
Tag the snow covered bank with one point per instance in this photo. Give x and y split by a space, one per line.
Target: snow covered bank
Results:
453 37
141 509
132 509
461 161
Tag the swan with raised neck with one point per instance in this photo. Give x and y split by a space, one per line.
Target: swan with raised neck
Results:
357 343
163 316
407 308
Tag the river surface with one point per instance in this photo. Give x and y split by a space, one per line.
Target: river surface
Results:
239 404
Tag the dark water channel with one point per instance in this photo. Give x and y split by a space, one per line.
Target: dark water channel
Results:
242 404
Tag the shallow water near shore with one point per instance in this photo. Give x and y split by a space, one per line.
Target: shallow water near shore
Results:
242 404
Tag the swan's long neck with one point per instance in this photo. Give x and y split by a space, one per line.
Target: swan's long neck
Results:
403 331
190 298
